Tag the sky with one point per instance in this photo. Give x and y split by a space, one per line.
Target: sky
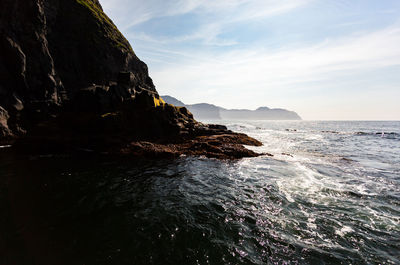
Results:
324 59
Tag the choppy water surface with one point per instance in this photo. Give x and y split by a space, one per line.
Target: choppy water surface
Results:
330 195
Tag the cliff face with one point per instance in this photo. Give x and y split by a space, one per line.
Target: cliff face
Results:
49 50
70 81
87 47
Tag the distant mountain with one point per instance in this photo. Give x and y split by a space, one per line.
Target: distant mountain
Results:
205 111
173 101
263 113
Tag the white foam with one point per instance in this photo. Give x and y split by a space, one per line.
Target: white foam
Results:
344 230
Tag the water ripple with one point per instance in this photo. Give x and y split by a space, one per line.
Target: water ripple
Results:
335 200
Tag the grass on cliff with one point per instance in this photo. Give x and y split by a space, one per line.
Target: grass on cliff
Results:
111 30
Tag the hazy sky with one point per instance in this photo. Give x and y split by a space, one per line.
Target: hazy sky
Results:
325 59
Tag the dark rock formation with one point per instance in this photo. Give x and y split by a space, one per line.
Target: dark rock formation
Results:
4 130
51 49
204 111
88 48
223 146
70 81
101 120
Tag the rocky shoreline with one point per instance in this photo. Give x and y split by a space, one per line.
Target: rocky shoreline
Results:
132 129
87 91
225 145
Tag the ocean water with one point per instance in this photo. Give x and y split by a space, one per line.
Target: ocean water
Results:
329 195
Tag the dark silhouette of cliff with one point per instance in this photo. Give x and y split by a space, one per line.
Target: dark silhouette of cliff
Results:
69 80
51 49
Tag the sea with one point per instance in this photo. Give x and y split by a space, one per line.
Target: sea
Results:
330 194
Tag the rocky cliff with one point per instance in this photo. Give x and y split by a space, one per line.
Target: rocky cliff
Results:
69 81
49 49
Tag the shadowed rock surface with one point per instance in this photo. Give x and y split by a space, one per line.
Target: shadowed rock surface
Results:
69 81
51 49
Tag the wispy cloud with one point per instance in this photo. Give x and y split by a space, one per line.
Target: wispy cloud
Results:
207 34
127 14
202 50
130 13
263 71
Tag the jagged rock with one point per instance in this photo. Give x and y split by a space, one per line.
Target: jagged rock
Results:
4 130
50 50
126 79
217 126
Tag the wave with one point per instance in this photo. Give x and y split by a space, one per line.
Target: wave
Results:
376 133
361 133
388 135
364 133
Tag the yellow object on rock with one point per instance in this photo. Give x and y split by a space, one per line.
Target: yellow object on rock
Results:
158 101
